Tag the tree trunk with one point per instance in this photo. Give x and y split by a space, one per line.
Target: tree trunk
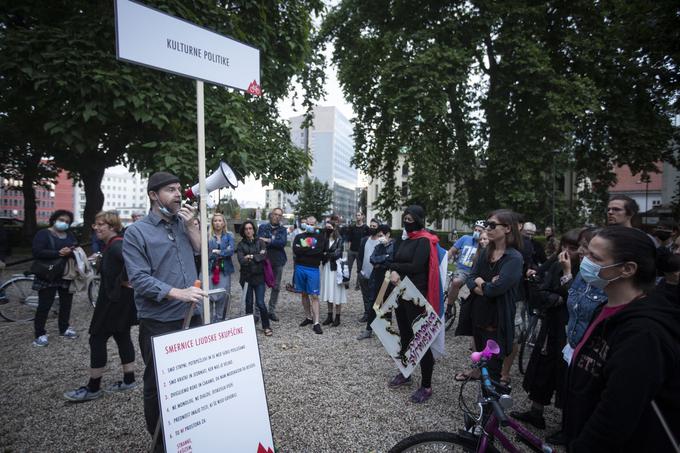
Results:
94 197
29 175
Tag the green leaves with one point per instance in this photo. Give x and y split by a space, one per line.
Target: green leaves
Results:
315 198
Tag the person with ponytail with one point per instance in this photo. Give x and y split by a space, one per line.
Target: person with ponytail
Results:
623 382
417 259
494 286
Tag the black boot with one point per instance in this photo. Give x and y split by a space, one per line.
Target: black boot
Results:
328 320
336 322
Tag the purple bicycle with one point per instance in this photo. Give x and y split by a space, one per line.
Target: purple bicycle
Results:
482 431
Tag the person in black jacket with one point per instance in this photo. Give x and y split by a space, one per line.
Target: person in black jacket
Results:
546 369
48 244
251 253
624 376
365 268
114 314
416 259
382 257
308 251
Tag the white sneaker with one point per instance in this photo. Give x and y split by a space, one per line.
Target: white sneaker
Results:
70 334
82 394
120 386
41 341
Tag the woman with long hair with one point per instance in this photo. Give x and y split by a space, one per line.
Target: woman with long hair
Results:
114 314
48 244
332 292
251 253
494 285
221 248
416 258
623 383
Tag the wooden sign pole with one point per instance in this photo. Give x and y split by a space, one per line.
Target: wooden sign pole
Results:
203 206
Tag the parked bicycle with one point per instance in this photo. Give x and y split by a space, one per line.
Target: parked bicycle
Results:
482 431
452 309
19 301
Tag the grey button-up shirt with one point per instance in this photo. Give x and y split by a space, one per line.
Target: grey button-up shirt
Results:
158 257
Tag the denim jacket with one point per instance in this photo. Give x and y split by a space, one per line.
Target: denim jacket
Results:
226 248
276 248
582 302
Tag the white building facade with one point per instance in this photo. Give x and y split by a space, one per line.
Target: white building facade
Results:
124 192
331 145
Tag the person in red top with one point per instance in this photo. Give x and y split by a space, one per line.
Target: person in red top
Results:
624 376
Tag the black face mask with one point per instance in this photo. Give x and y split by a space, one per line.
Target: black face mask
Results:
410 227
372 231
663 235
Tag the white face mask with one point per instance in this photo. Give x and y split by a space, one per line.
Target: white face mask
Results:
404 234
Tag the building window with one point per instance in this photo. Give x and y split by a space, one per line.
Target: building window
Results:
404 169
404 189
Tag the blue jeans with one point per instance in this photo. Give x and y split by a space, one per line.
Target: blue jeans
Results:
258 290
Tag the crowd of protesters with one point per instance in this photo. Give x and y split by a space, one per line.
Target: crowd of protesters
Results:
607 353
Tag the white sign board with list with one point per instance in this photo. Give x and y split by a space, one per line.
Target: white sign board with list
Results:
152 38
211 389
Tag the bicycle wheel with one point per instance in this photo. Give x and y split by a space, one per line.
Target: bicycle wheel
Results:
93 290
19 300
450 315
434 442
529 343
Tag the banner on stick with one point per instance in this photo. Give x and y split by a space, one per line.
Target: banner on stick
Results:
426 327
211 390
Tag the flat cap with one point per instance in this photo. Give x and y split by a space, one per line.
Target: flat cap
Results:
160 179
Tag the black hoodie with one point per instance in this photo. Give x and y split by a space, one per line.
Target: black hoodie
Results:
629 360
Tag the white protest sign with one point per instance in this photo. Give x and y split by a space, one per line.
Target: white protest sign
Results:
211 389
152 38
425 327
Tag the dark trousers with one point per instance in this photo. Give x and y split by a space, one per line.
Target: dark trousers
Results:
147 329
495 363
98 353
45 301
365 286
258 291
274 296
406 314
351 258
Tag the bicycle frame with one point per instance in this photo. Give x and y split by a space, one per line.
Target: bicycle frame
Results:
492 427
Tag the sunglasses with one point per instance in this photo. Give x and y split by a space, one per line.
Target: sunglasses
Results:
493 225
171 234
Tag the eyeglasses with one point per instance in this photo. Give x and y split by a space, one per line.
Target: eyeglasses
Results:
493 225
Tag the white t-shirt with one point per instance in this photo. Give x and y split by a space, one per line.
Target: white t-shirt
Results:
366 266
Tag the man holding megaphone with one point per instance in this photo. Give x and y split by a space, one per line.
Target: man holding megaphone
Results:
159 258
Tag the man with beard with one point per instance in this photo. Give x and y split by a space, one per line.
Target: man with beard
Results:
159 258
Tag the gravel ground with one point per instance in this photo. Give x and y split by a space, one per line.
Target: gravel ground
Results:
326 393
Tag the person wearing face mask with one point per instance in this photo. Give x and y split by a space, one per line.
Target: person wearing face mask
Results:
334 294
663 234
308 251
623 383
159 259
53 242
464 250
546 369
382 256
416 258
364 267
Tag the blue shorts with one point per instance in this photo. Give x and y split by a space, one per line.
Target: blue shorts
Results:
307 279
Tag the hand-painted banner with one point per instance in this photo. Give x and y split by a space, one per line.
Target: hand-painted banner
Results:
425 327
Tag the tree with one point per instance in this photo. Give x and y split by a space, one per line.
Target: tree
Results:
100 112
315 198
484 95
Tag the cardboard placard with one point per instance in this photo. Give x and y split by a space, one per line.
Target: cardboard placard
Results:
211 389
426 328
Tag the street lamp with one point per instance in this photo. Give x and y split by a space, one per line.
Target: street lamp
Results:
645 178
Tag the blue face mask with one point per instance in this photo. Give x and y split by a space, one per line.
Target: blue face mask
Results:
591 273
475 235
60 225
310 228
